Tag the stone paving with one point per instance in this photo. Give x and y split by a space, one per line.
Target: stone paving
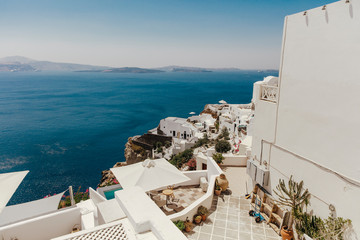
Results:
229 219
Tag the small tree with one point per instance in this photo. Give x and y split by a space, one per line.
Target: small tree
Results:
222 146
225 133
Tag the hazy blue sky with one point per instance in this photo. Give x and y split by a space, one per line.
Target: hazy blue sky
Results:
239 33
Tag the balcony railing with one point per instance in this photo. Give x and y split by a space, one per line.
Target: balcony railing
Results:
269 93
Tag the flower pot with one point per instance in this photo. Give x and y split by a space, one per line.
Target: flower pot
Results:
286 234
217 192
198 220
203 217
187 229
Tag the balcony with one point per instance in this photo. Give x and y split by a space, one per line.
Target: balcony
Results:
269 93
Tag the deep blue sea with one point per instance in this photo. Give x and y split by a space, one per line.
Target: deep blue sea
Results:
68 127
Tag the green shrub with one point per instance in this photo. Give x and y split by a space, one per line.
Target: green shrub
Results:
218 157
203 141
158 144
222 146
159 150
225 132
183 157
137 149
167 144
180 224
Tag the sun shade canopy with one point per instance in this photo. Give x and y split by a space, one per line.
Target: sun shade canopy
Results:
149 175
9 182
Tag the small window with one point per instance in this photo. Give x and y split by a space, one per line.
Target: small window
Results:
170 131
164 126
182 134
188 135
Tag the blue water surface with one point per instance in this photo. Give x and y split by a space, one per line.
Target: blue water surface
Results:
68 127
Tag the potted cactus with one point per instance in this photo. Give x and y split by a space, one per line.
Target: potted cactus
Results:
217 190
292 196
203 212
188 225
180 224
197 218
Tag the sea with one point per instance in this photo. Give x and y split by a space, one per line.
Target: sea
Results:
66 128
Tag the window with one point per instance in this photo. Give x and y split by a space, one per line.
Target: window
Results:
170 131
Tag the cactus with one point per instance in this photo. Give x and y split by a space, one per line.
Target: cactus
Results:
293 196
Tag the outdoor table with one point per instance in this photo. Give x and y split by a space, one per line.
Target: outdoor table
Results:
167 193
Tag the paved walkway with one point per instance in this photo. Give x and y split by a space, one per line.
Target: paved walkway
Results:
237 178
229 219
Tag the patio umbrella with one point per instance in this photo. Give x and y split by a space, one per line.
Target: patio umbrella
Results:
222 102
9 182
149 175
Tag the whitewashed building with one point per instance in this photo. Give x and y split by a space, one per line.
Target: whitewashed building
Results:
177 128
307 120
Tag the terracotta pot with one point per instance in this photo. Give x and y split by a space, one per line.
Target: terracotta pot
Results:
217 192
187 229
197 220
287 234
203 217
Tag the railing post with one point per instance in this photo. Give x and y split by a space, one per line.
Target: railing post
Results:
71 196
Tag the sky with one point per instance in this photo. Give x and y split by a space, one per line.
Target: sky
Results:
118 33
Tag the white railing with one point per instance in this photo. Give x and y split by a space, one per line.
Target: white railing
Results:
269 93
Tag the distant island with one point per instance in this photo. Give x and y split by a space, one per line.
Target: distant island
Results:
125 70
190 70
23 64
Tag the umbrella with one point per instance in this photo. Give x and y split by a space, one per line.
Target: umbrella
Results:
9 182
149 175
222 102
191 113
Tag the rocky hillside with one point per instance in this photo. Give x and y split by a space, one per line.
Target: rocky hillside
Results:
134 153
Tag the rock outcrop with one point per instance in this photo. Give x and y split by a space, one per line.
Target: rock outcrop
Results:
107 177
134 153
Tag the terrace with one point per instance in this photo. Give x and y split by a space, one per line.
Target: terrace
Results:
183 197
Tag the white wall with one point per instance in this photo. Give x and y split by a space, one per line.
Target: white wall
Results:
317 126
319 109
234 160
44 227
264 121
